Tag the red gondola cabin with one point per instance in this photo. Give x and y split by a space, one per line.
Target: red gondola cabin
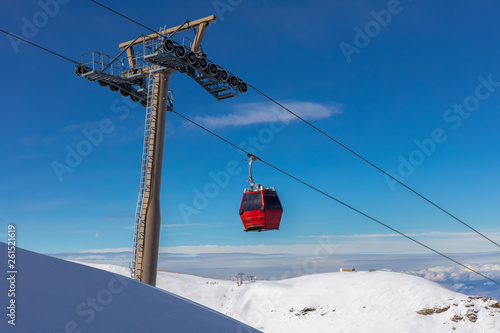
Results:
260 209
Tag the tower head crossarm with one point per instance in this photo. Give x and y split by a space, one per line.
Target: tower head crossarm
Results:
200 26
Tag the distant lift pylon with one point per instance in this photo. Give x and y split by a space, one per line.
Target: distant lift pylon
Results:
260 208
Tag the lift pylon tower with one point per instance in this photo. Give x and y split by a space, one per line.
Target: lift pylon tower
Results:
142 71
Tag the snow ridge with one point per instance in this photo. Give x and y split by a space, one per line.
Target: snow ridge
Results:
342 301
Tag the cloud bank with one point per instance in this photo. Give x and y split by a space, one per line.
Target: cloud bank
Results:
257 113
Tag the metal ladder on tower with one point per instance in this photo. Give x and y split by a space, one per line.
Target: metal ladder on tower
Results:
146 173
145 187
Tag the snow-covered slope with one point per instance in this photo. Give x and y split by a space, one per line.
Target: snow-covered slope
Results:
55 296
339 302
359 302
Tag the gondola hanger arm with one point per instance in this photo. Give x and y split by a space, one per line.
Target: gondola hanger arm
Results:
251 159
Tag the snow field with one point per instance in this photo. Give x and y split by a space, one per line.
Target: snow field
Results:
341 301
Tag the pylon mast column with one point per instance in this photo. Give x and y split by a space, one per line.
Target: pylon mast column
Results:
152 223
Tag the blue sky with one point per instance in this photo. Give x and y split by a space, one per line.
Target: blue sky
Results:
392 93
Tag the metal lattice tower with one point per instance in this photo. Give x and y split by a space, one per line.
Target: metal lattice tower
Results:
143 75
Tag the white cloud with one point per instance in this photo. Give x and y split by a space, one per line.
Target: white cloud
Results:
301 249
356 236
461 287
423 234
320 248
458 273
340 244
115 250
256 113
449 242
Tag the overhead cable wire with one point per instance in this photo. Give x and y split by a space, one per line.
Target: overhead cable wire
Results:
340 144
40 47
124 16
338 200
140 24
